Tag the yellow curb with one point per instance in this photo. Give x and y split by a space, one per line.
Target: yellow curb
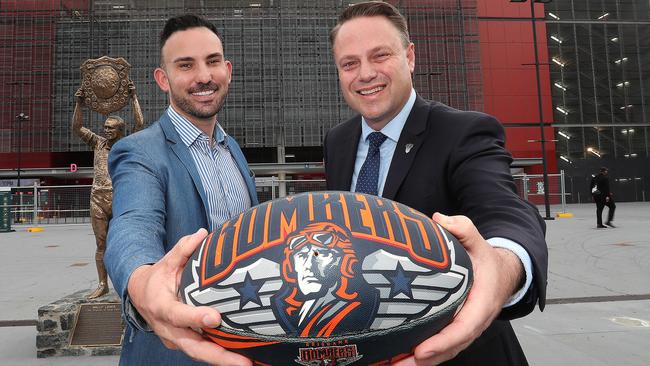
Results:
563 214
35 229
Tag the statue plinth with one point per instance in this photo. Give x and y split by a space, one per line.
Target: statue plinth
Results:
77 326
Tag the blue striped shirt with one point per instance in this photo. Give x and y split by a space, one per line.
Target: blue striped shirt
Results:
224 186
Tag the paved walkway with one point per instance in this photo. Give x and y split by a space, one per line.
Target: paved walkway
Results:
598 290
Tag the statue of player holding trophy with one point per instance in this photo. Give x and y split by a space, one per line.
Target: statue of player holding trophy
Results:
105 88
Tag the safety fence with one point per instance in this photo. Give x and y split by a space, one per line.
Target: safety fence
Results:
272 188
531 188
50 204
71 204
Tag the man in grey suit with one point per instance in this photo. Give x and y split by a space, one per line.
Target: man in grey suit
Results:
439 160
172 181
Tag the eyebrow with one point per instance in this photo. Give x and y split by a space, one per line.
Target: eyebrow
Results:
374 50
380 48
189 58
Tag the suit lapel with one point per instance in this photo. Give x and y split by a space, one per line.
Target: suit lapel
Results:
183 154
410 141
346 155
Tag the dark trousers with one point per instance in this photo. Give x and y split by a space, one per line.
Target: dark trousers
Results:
600 205
497 346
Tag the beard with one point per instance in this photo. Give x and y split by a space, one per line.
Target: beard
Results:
201 111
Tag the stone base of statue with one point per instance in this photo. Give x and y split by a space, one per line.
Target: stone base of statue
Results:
77 326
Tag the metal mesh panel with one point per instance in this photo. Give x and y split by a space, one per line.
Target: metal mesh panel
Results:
284 89
270 188
531 188
300 186
64 204
22 205
54 205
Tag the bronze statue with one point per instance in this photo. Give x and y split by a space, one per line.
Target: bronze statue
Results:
106 88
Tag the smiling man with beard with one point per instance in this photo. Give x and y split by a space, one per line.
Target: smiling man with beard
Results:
172 181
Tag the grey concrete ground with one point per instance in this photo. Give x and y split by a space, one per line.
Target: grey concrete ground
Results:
610 270
598 289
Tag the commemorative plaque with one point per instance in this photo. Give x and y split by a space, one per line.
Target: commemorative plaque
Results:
98 324
77 326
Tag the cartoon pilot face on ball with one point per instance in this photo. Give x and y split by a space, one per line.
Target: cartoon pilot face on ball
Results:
316 254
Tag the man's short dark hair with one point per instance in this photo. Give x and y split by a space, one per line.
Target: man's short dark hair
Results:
184 22
373 9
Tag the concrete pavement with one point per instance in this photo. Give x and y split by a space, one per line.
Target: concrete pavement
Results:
598 289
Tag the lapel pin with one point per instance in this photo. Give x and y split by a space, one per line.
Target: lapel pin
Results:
408 148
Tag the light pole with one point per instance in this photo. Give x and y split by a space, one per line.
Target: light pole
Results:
21 117
540 106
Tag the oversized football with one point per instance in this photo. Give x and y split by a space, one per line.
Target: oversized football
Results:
328 278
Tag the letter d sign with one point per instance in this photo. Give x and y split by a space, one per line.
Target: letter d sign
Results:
73 168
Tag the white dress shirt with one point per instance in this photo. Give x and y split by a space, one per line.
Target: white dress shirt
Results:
392 130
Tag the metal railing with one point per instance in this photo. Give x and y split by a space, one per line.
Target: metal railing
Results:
270 188
51 204
531 188
71 204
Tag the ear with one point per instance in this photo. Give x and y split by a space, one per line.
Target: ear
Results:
229 66
161 79
410 56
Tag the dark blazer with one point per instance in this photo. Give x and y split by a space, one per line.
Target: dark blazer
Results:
457 165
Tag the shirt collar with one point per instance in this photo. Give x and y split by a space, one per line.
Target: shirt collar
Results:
393 129
189 133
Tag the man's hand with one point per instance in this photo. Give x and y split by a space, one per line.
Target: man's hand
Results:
153 291
497 275
131 87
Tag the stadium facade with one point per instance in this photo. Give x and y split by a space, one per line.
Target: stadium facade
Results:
471 54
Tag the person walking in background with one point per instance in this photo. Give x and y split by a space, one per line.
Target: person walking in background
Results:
603 197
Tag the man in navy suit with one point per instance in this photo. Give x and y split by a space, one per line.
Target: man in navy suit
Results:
172 181
440 161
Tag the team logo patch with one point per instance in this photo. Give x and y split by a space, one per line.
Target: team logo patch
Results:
328 355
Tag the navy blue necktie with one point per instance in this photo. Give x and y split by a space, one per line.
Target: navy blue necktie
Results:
369 174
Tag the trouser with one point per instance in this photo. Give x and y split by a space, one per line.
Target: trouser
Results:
498 346
600 205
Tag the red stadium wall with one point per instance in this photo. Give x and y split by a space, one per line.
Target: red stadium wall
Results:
26 72
509 80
